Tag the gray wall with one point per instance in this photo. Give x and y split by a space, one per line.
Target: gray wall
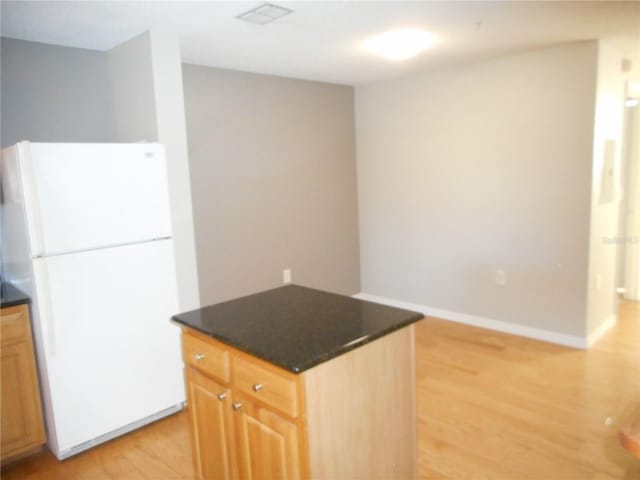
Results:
131 86
273 182
53 94
481 167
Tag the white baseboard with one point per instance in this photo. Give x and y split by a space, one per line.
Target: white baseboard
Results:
601 330
491 324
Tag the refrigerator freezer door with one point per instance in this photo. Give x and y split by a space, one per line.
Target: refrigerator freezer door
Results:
113 356
85 196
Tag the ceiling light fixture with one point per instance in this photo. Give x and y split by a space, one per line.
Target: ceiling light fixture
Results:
400 44
265 13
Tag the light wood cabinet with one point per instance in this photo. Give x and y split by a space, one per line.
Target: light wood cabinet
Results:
267 443
350 417
20 405
211 427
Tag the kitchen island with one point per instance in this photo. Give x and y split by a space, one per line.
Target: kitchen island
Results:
300 383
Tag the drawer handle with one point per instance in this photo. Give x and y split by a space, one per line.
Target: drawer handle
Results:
199 356
237 406
222 396
257 387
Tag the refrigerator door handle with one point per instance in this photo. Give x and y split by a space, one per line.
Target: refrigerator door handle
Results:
31 200
47 321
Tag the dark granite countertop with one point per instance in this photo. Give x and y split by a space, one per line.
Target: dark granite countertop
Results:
10 296
295 327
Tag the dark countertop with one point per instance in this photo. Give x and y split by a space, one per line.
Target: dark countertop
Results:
296 327
10 296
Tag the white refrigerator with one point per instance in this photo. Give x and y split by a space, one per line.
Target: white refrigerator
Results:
86 232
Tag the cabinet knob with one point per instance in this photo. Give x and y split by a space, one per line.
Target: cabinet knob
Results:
199 356
257 387
237 406
222 396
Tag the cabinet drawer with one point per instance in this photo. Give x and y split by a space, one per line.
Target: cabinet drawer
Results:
14 324
206 356
266 385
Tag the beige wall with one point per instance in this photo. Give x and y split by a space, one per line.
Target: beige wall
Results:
273 181
476 168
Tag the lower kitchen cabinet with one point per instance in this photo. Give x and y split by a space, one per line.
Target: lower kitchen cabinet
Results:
350 417
211 427
267 443
21 417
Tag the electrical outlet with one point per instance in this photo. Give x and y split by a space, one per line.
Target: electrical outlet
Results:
501 278
286 275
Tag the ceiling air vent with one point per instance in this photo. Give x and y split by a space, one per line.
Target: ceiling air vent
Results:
265 13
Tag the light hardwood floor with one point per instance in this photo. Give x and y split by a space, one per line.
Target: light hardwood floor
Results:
495 406
490 406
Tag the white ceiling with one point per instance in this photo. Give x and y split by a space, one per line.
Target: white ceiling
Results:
320 40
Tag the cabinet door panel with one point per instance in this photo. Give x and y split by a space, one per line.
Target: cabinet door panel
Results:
211 427
267 444
21 415
14 326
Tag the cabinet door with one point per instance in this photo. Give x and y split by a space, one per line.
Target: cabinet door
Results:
209 408
22 427
267 444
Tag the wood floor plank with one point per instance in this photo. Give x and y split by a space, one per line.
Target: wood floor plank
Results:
490 406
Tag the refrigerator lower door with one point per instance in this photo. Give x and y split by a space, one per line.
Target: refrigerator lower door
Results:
112 354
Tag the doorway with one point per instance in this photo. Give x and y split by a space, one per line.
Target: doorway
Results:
628 257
